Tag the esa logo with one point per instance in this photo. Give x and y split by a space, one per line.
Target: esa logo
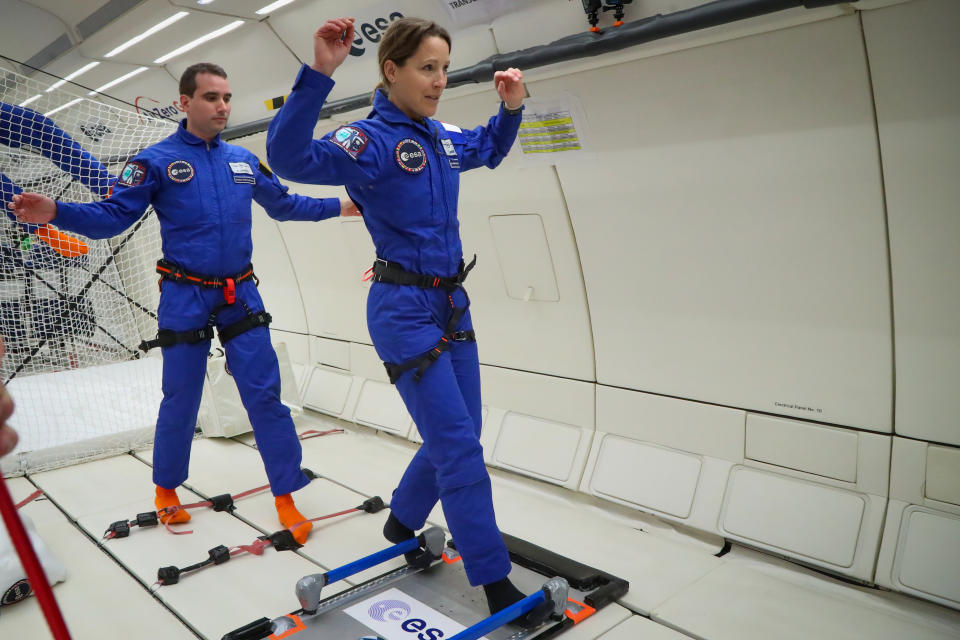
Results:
396 610
371 32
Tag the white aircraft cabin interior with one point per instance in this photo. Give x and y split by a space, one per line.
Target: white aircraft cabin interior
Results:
716 300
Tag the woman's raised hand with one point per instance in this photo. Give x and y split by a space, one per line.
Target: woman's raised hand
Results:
331 44
509 85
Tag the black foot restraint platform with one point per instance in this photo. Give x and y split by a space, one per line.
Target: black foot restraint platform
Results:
430 598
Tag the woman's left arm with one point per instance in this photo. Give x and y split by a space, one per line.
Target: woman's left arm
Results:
488 146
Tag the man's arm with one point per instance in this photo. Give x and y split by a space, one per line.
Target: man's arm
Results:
132 195
282 205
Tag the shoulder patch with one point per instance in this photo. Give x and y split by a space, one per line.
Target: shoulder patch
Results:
133 174
451 127
351 140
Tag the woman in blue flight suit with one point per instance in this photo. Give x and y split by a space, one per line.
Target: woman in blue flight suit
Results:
402 168
202 189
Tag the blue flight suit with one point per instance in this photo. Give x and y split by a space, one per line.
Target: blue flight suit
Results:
202 193
404 177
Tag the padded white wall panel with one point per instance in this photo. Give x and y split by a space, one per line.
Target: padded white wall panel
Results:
365 362
537 425
751 268
381 407
913 51
679 424
816 449
524 257
557 399
645 475
921 553
333 296
544 449
327 390
943 474
550 332
332 353
819 523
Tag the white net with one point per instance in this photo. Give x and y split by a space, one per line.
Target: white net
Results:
74 310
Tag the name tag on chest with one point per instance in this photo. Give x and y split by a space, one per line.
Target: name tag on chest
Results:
242 173
451 152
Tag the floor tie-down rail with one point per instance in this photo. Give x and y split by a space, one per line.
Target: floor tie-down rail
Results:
430 598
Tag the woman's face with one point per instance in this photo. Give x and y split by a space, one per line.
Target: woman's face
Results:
415 88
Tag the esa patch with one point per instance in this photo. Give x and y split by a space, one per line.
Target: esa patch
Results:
242 173
351 140
133 174
180 171
17 592
410 156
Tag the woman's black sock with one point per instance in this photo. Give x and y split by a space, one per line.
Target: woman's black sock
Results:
501 594
395 531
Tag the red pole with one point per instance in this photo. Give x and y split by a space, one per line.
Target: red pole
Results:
38 579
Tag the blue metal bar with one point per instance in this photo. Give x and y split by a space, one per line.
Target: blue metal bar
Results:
502 617
347 570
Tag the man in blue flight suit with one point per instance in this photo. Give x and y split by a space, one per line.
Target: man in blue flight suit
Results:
201 189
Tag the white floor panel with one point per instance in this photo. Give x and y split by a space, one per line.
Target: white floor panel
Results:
737 602
656 568
638 627
224 466
91 575
599 623
103 492
96 486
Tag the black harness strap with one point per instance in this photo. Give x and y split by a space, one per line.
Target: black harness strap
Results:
252 321
391 273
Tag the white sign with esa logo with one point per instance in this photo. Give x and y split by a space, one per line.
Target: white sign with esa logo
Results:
396 616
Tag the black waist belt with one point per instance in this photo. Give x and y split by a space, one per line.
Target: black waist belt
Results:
392 273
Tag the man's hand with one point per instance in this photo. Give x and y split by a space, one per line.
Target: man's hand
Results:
331 44
348 209
8 437
33 208
509 85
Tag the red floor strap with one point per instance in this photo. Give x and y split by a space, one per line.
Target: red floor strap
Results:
313 433
30 498
28 557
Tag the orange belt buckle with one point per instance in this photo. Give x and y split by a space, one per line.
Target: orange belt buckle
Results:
230 291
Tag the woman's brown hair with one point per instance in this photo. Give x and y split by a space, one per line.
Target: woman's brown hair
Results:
402 39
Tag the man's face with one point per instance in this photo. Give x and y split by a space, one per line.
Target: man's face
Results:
209 107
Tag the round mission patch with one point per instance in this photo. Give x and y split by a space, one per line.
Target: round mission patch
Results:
410 156
18 591
180 171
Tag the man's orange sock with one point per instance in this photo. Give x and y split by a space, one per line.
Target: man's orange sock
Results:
289 516
168 498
